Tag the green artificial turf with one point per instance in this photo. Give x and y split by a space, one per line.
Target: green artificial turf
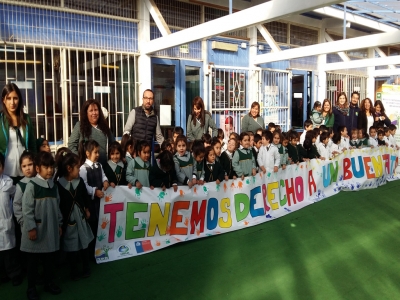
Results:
344 247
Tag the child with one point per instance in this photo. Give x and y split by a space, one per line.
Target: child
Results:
213 169
74 206
363 139
269 158
95 180
284 152
322 147
162 174
335 149
137 172
42 145
344 140
381 138
270 127
198 152
309 144
167 145
27 165
206 138
354 143
251 135
316 133
114 168
221 137
186 169
256 148
177 131
330 131
216 145
259 131
8 250
392 132
243 162
226 159
292 147
42 225
308 125
128 147
373 139
276 141
316 117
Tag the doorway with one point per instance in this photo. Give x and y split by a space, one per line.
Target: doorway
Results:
301 98
175 83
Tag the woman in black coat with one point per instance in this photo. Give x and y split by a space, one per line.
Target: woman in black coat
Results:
366 115
380 117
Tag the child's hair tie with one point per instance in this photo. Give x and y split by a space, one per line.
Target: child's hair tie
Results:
64 153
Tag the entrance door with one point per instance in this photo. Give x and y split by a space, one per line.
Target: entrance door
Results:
176 83
301 98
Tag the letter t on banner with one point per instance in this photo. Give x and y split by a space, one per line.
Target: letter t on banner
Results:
112 209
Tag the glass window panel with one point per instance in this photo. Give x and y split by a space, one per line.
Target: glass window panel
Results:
48 63
30 68
164 87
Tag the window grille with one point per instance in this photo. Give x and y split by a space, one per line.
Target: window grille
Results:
301 36
337 83
179 14
214 13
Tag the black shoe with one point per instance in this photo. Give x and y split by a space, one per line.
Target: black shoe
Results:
32 294
52 288
39 280
17 280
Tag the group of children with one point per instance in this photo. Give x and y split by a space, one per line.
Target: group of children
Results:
57 203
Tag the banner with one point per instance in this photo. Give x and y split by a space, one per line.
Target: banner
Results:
134 222
391 102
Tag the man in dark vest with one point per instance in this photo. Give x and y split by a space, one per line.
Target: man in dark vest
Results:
353 112
143 123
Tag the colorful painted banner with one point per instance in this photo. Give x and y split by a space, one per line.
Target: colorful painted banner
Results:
134 222
391 102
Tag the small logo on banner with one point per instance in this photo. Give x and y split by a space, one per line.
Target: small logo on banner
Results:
143 246
123 250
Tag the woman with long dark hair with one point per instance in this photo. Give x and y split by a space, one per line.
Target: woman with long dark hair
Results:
199 121
92 125
329 118
17 133
366 115
253 121
380 117
341 112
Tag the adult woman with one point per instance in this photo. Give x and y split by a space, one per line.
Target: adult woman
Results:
329 118
199 121
16 133
366 115
380 117
253 121
341 112
92 125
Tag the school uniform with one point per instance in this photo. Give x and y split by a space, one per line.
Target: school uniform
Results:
160 178
334 148
243 162
213 171
373 141
303 137
226 163
8 251
185 167
200 170
255 154
392 141
386 139
17 202
138 170
344 143
363 143
381 142
323 150
283 153
128 157
355 143
41 211
313 152
77 233
293 153
302 152
115 172
269 157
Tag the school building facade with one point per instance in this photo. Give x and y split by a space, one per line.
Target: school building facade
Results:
285 56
